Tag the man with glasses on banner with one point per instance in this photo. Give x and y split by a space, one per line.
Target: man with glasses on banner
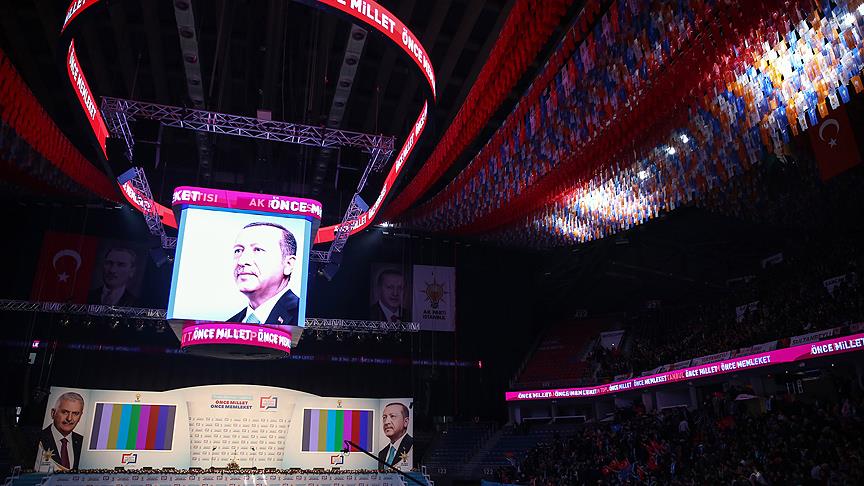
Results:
264 257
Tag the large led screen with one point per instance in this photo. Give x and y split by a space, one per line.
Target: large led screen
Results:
241 265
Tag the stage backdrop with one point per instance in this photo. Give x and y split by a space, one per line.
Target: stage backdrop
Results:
435 297
254 426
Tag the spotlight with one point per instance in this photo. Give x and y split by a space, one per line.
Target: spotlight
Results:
114 323
670 150
378 337
161 326
319 336
65 321
399 337
87 322
139 324
360 338
685 138
339 336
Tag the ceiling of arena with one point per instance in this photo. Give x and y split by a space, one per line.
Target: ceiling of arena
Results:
282 57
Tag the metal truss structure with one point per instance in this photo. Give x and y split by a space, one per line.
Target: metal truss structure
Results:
356 327
118 113
154 223
312 323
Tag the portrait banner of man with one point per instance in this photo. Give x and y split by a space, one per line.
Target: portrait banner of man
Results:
396 443
60 442
390 296
118 274
240 268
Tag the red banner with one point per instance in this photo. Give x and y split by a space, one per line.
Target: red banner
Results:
834 144
379 18
64 269
85 97
75 8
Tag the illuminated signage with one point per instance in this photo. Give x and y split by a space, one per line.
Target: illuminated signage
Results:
85 97
788 355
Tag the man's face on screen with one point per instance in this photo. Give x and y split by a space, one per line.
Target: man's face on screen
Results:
392 288
117 269
259 266
66 415
395 422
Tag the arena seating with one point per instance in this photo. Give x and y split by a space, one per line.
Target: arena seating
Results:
795 442
456 443
513 443
790 298
558 354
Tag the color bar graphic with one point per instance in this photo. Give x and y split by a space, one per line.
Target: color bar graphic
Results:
132 427
325 430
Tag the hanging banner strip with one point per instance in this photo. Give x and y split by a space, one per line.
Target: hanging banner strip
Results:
819 349
381 19
368 12
144 204
85 97
75 8
328 233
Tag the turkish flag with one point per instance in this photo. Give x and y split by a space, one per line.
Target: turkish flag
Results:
834 145
64 269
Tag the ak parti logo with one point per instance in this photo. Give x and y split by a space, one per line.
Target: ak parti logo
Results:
129 458
268 403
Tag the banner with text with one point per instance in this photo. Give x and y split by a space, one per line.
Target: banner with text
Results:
435 297
214 426
792 354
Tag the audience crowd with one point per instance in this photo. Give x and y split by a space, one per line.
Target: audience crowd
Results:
788 298
789 440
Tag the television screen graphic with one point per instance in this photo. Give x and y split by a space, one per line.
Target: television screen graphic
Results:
132 427
327 430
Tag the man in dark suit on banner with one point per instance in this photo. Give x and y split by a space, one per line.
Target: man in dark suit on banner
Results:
264 257
395 422
118 270
58 439
390 286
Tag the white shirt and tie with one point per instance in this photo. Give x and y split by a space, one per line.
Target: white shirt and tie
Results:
262 313
58 439
391 453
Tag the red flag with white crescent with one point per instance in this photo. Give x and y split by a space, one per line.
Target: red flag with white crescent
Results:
64 269
834 144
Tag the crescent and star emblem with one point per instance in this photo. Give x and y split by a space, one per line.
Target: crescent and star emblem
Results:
63 276
830 122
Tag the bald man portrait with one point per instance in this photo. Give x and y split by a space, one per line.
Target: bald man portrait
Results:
265 255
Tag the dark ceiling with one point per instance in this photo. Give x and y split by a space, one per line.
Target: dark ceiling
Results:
275 55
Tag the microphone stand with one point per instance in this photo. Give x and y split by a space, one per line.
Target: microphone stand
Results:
373 456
